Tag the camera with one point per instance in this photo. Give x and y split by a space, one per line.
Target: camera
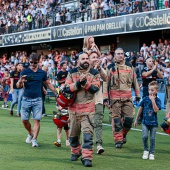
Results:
29 78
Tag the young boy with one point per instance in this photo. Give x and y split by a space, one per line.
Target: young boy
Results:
149 107
59 129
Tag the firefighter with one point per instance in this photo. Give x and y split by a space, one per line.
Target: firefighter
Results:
95 63
118 96
85 81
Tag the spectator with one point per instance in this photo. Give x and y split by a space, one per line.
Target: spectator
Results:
149 73
29 20
16 92
94 8
68 17
32 97
106 8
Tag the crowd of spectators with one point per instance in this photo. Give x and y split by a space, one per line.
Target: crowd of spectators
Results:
21 15
160 53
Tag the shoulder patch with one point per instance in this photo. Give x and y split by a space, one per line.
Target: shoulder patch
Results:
93 71
110 66
128 64
74 70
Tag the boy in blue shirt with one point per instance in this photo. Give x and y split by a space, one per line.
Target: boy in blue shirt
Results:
149 107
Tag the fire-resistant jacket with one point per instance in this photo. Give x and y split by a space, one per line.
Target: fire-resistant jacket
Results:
84 103
121 80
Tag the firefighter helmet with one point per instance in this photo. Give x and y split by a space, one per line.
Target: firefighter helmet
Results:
65 99
60 121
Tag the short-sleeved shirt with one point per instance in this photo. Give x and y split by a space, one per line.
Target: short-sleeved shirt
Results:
62 75
15 75
33 86
152 77
149 116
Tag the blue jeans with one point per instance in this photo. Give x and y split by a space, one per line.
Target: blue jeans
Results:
145 132
16 96
34 105
107 13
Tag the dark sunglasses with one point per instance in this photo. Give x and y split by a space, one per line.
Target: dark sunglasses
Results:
33 62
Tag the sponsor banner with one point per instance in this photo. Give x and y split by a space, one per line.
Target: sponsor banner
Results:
108 26
37 36
27 37
148 21
12 39
67 31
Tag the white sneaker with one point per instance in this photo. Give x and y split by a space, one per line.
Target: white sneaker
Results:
67 143
151 157
100 149
29 138
145 155
2 106
34 143
6 105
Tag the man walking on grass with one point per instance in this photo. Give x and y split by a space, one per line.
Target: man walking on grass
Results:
31 80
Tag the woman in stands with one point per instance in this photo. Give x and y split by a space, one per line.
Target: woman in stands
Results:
16 92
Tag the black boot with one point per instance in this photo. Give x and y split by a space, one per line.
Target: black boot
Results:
86 162
124 139
118 145
74 157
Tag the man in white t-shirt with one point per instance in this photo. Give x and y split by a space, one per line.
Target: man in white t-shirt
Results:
106 8
144 48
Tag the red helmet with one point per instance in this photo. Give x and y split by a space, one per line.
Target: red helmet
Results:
167 130
65 99
61 122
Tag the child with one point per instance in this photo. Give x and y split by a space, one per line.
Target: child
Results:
59 130
149 107
5 92
90 46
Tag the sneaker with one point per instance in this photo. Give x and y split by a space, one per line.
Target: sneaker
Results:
87 162
34 143
74 157
29 138
145 155
6 105
2 106
58 144
67 143
100 149
19 115
118 145
151 157
11 113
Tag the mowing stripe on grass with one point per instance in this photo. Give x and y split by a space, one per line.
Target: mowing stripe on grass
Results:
105 124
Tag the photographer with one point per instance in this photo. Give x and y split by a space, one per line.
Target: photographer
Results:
32 80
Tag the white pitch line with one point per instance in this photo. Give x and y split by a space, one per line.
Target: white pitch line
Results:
139 130
105 124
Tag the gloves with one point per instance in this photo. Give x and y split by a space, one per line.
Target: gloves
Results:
78 83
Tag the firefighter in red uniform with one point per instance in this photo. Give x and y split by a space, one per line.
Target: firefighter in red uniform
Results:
121 78
85 81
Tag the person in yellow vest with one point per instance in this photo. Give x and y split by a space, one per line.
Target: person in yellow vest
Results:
29 20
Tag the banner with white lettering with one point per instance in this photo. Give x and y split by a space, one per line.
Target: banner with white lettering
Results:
67 31
104 27
148 21
27 37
